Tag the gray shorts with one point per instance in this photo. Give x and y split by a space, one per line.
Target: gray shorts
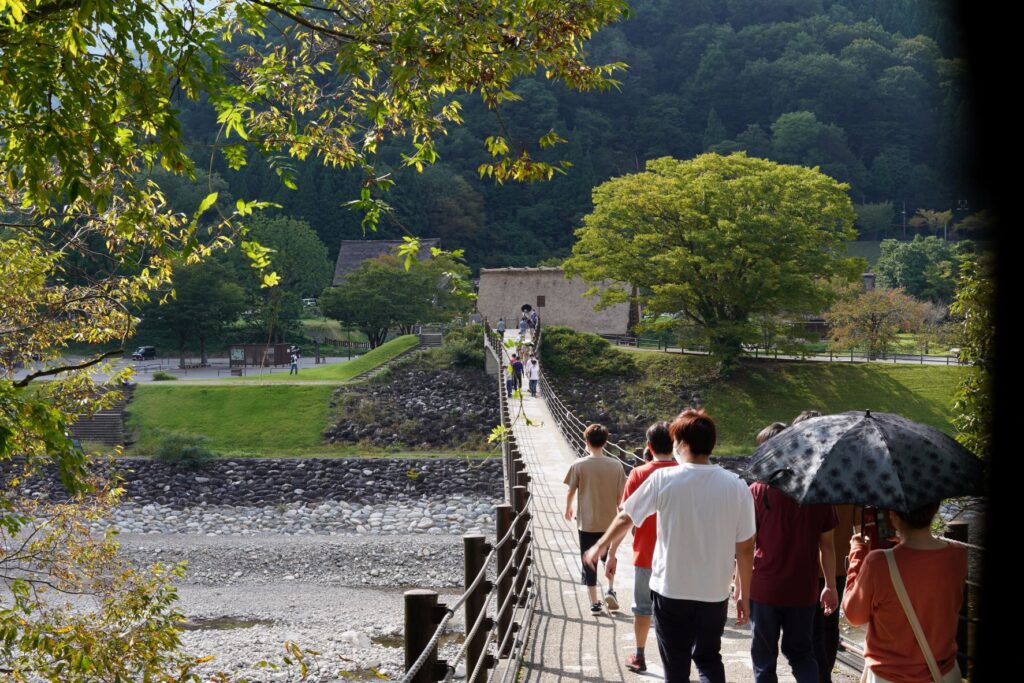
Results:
642 605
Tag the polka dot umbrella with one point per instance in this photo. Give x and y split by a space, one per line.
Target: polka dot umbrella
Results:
864 458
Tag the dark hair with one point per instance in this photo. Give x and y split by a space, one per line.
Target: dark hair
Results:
596 435
770 431
919 518
696 429
806 415
659 438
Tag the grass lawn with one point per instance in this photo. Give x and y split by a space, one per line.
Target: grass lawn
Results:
910 344
865 249
330 329
342 372
238 420
248 421
764 392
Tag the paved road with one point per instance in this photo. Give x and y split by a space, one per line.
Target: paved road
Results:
215 373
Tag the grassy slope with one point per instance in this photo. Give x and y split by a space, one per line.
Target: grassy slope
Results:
866 249
249 420
240 420
342 372
762 393
330 329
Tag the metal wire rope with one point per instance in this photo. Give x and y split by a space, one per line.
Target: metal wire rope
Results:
450 611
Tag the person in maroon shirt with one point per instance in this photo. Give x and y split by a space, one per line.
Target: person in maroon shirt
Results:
659 445
791 540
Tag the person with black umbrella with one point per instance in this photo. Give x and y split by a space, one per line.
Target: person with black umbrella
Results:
783 591
885 461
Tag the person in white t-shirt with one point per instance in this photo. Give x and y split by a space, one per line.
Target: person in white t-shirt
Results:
705 521
533 374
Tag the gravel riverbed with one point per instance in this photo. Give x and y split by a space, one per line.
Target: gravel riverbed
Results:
338 595
456 514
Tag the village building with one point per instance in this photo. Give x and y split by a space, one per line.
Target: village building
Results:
558 300
354 252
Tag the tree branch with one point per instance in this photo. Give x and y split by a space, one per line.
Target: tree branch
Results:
21 384
302 21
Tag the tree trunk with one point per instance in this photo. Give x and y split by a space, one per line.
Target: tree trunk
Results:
202 349
181 350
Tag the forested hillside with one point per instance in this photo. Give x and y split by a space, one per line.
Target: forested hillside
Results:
872 91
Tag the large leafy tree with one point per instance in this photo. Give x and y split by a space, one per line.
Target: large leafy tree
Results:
205 300
90 95
927 267
299 259
381 295
719 241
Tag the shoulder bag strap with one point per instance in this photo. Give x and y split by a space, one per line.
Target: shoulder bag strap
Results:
915 625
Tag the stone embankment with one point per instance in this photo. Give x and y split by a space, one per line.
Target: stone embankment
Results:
259 482
418 408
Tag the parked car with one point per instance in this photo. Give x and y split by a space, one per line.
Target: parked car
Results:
144 353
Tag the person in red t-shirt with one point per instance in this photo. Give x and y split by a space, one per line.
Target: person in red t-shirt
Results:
791 539
659 445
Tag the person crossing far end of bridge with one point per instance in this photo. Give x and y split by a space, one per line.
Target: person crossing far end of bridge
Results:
500 329
659 446
517 372
705 521
533 374
596 482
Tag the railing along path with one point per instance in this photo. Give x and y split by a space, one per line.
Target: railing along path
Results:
495 609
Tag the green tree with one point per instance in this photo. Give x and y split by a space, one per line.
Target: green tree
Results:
204 301
874 220
91 96
926 268
936 222
298 255
381 295
872 321
299 258
973 310
717 240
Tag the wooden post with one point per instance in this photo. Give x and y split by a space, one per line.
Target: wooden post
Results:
504 515
420 622
476 549
958 532
522 497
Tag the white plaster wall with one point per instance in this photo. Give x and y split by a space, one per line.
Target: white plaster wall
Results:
503 291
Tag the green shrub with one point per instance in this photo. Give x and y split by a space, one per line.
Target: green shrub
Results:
567 352
161 376
185 450
463 347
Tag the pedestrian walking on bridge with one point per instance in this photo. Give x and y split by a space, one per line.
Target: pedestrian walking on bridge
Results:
596 482
705 522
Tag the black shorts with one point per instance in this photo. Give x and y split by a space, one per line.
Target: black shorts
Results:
587 539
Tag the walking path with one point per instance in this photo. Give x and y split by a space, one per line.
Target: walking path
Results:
566 642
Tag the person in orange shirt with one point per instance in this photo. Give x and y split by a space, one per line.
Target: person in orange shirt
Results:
932 573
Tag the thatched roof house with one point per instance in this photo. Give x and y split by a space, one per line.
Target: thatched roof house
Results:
354 252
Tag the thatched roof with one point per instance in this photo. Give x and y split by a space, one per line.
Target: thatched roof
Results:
354 252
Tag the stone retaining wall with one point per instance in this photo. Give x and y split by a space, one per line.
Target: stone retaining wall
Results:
276 481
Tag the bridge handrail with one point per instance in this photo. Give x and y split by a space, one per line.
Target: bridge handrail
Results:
516 545
461 600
